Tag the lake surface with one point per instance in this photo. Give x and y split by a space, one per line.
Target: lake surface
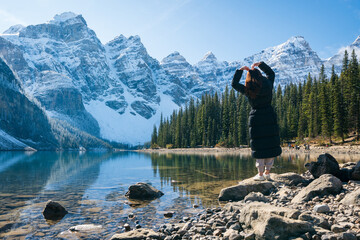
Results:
92 185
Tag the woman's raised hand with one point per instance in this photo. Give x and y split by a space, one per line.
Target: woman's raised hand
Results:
255 65
245 68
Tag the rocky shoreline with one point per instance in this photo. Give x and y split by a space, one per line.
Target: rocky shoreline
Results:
290 206
345 152
313 205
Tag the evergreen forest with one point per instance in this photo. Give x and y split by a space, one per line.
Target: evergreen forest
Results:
322 107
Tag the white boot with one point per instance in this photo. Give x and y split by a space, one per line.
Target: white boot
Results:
267 177
259 178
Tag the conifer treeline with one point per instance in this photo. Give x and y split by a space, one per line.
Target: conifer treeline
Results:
324 106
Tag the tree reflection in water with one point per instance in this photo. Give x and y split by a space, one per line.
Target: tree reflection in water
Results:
201 177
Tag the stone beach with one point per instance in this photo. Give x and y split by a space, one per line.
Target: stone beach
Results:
290 211
290 206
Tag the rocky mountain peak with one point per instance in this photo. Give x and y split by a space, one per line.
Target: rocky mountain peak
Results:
68 18
296 42
356 43
209 56
174 57
14 29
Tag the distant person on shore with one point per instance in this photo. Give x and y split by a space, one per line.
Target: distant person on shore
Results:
263 127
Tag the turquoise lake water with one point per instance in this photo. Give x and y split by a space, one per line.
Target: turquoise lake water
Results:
92 185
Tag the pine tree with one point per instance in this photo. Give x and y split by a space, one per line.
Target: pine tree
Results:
338 111
154 136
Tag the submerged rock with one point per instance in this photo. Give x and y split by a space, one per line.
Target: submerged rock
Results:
324 185
169 214
143 191
138 234
54 211
85 228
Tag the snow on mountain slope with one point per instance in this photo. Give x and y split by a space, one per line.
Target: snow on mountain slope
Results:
132 128
337 59
291 61
117 90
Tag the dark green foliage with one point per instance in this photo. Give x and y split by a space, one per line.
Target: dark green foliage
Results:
319 106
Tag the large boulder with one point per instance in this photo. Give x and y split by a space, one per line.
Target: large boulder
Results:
238 192
270 222
324 185
54 211
355 175
345 174
143 191
138 234
352 198
326 164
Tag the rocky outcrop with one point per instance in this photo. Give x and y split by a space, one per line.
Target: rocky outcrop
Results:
143 191
118 105
64 101
324 185
143 109
54 211
138 234
270 222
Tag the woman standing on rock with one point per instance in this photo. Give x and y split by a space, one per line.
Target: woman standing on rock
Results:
263 127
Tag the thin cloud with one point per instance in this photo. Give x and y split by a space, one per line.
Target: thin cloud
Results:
10 19
166 14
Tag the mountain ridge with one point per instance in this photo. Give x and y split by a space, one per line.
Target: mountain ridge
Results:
117 91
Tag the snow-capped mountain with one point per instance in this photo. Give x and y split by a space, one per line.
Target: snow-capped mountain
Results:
116 90
337 59
291 61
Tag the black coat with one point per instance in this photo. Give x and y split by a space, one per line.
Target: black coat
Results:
263 127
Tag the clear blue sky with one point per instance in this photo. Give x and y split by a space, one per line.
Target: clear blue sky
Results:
230 29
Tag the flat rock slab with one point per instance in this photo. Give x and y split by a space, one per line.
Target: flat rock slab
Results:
138 234
290 178
270 222
85 228
238 192
143 191
324 185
